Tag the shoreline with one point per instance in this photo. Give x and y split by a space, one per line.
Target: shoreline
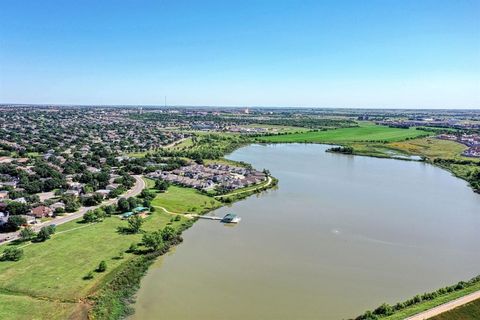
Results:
117 294
125 299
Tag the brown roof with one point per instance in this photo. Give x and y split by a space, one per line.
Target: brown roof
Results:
41 211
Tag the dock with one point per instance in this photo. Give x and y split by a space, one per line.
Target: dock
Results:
229 218
206 217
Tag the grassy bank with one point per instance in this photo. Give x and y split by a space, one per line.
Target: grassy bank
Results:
470 311
185 200
50 277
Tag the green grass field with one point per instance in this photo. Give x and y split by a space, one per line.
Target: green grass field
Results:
185 200
365 132
48 280
27 308
54 268
470 311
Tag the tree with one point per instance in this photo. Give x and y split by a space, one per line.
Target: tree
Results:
135 223
45 233
102 267
14 223
133 202
161 185
90 216
168 233
59 211
153 240
12 254
123 205
16 208
26 234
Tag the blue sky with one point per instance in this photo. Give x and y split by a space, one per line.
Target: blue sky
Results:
375 53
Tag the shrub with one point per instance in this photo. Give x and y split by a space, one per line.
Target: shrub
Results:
12 254
102 267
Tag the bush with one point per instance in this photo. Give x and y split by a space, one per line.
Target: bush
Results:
12 254
45 233
133 248
102 267
26 234
88 276
384 310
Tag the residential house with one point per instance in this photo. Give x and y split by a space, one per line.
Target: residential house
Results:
41 212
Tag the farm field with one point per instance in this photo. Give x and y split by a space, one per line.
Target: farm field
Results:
470 311
365 132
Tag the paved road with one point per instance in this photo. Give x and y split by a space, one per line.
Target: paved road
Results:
136 189
446 307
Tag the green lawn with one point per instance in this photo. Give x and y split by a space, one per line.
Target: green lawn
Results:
150 183
185 200
55 268
23 308
49 278
365 132
470 311
137 154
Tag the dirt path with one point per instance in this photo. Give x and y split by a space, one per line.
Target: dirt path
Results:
446 307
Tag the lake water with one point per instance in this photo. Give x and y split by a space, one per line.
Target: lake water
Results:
340 235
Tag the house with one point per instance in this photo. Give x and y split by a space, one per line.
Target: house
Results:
21 200
29 219
3 195
112 186
74 193
103 192
3 218
75 186
57 205
41 212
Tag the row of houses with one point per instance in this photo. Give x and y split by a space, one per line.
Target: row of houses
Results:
208 177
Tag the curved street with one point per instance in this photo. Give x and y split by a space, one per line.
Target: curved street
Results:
134 191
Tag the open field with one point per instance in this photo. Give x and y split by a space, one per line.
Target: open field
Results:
24 307
137 154
470 311
278 128
365 132
38 280
431 148
48 265
187 142
185 200
149 183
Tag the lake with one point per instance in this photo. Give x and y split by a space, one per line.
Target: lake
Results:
341 234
